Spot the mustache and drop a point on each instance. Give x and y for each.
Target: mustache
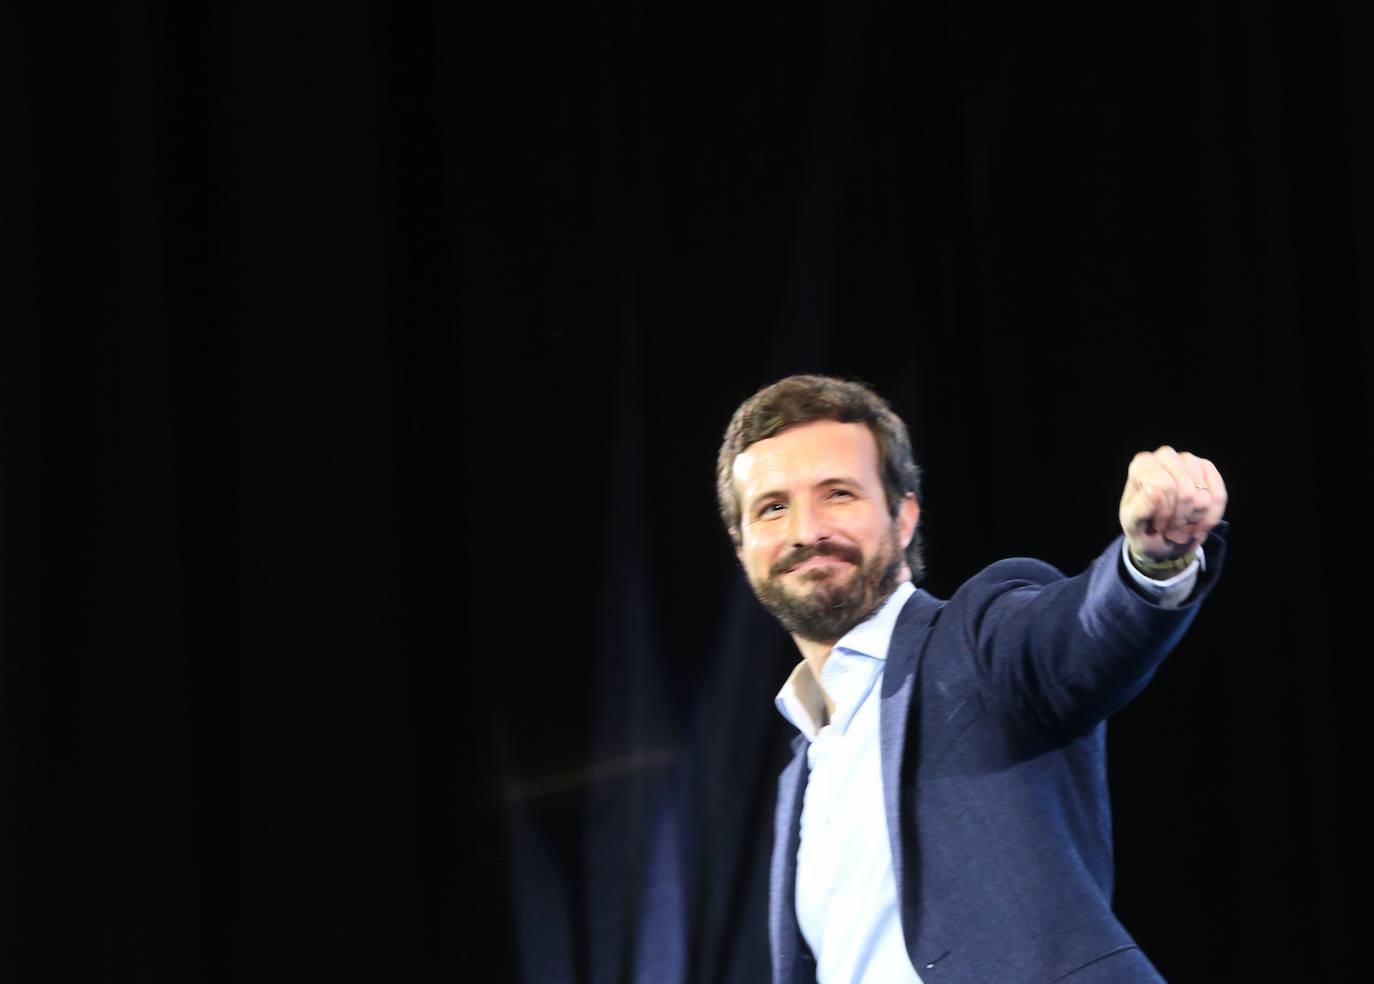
(823, 549)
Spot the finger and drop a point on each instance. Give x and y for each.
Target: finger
(1142, 492)
(1216, 486)
(1177, 526)
(1138, 506)
(1168, 472)
(1192, 466)
(1150, 494)
(1201, 490)
(1215, 482)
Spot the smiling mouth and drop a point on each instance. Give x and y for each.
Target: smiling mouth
(818, 559)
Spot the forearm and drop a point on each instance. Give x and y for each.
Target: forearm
(1061, 654)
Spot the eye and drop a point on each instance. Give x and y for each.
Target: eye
(770, 510)
(840, 494)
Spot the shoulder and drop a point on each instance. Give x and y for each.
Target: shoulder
(1010, 573)
(1022, 578)
(925, 612)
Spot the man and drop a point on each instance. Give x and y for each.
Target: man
(946, 816)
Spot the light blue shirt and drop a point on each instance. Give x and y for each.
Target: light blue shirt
(846, 897)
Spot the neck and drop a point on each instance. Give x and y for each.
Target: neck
(815, 654)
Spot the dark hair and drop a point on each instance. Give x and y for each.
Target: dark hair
(800, 400)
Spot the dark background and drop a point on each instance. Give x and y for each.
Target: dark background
(365, 612)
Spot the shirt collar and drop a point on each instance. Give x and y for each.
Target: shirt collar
(802, 701)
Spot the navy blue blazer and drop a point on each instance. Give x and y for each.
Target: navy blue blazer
(992, 720)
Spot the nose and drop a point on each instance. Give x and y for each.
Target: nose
(807, 524)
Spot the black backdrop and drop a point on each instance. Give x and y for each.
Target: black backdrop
(365, 614)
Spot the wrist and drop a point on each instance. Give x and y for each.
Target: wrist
(1161, 569)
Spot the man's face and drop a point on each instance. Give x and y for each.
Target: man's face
(819, 546)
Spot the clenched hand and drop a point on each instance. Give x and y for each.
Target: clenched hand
(1171, 501)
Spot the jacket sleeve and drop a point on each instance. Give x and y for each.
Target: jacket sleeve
(1060, 654)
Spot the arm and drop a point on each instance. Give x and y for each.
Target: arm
(1061, 654)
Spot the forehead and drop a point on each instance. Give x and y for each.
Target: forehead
(806, 454)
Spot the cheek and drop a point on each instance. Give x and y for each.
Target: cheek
(871, 537)
(757, 555)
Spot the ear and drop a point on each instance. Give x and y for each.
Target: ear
(908, 515)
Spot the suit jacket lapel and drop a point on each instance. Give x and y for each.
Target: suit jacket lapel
(784, 933)
(894, 713)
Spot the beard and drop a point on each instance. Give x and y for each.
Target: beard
(826, 604)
